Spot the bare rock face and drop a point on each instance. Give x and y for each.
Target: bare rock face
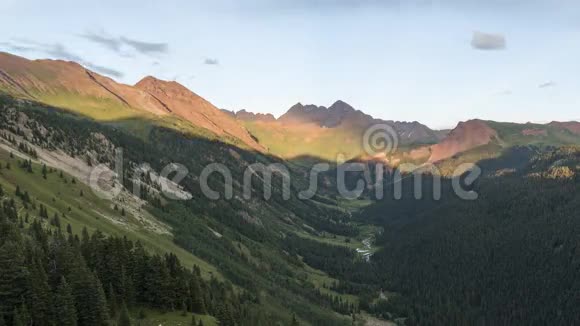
(534, 132)
(467, 135)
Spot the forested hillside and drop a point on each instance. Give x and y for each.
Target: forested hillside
(50, 276)
(237, 245)
(509, 257)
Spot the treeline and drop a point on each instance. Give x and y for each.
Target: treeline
(49, 277)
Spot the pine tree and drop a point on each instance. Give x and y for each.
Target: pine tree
(13, 274)
(112, 299)
(17, 319)
(193, 322)
(25, 315)
(124, 318)
(142, 315)
(44, 171)
(294, 320)
(64, 305)
(101, 303)
(90, 299)
(197, 303)
(224, 315)
(183, 309)
(39, 293)
(56, 221)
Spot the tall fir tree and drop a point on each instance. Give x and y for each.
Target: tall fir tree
(124, 317)
(294, 321)
(39, 295)
(197, 302)
(17, 319)
(64, 305)
(13, 273)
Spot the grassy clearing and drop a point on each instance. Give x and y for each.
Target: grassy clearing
(332, 239)
(176, 318)
(301, 142)
(323, 282)
(96, 108)
(354, 205)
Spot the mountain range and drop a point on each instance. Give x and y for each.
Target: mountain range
(304, 131)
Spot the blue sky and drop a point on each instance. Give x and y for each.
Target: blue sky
(437, 62)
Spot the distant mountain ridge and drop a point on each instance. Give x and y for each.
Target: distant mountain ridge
(331, 117)
(325, 132)
(470, 135)
(342, 114)
(309, 126)
(250, 116)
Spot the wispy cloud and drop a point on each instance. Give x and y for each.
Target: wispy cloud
(117, 44)
(146, 47)
(547, 84)
(58, 51)
(211, 61)
(16, 47)
(487, 41)
(100, 38)
(505, 92)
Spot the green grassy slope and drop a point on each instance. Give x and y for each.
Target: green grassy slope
(303, 141)
(61, 196)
